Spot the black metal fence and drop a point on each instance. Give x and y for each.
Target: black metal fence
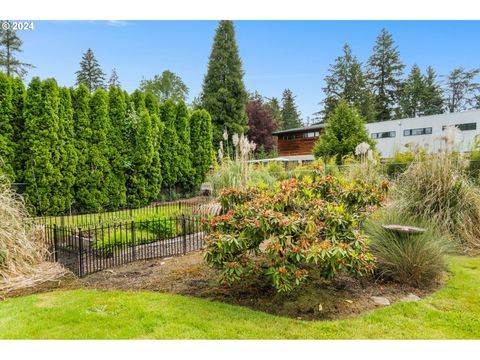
(85, 250)
(132, 213)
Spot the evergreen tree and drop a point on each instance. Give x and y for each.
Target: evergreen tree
(169, 159)
(346, 80)
(90, 73)
(201, 135)
(100, 177)
(344, 130)
(260, 124)
(413, 94)
(114, 80)
(167, 86)
(432, 102)
(184, 155)
(290, 114)
(224, 95)
(10, 44)
(42, 173)
(117, 112)
(83, 137)
(66, 147)
(142, 157)
(155, 182)
(385, 71)
(18, 124)
(276, 111)
(6, 127)
(461, 88)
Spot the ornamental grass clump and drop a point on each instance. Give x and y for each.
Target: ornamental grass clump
(438, 189)
(21, 243)
(296, 227)
(417, 259)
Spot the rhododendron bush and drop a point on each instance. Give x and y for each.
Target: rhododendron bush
(308, 225)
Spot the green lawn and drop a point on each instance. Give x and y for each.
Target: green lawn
(451, 313)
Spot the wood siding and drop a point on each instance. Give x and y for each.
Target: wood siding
(297, 146)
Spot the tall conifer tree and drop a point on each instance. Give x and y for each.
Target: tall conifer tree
(182, 127)
(385, 71)
(90, 73)
(224, 95)
(290, 114)
(6, 127)
(201, 135)
(10, 44)
(18, 124)
(169, 142)
(432, 97)
(118, 149)
(155, 182)
(42, 173)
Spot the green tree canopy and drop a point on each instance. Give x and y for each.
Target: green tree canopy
(184, 155)
(169, 142)
(223, 94)
(6, 126)
(346, 80)
(344, 130)
(167, 86)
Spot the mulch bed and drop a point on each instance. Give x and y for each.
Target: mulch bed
(342, 297)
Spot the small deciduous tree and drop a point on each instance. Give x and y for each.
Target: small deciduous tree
(344, 130)
(167, 86)
(261, 124)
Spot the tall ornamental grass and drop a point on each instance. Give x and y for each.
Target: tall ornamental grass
(416, 260)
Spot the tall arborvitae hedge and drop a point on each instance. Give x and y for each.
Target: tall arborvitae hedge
(201, 135)
(169, 143)
(85, 152)
(42, 170)
(18, 124)
(155, 183)
(83, 136)
(182, 127)
(6, 129)
(67, 150)
(117, 110)
(100, 177)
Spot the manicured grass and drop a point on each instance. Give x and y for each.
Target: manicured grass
(451, 313)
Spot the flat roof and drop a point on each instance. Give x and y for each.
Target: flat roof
(454, 115)
(306, 128)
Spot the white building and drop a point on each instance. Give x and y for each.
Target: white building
(392, 136)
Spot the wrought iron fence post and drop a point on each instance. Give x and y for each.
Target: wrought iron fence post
(184, 231)
(55, 241)
(80, 252)
(133, 241)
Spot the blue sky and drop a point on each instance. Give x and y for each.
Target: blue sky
(275, 54)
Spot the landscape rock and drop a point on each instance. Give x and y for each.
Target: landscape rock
(380, 300)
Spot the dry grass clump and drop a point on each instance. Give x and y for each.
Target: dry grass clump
(22, 244)
(438, 189)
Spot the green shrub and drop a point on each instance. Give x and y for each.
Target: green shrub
(409, 259)
(314, 221)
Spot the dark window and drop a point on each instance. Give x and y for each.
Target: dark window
(385, 134)
(288, 137)
(419, 131)
(463, 127)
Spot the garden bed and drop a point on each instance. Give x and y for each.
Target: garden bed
(343, 297)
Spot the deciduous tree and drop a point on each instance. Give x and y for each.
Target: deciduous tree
(261, 124)
(167, 86)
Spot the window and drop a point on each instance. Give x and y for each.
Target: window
(385, 134)
(313, 134)
(463, 127)
(419, 131)
(288, 137)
